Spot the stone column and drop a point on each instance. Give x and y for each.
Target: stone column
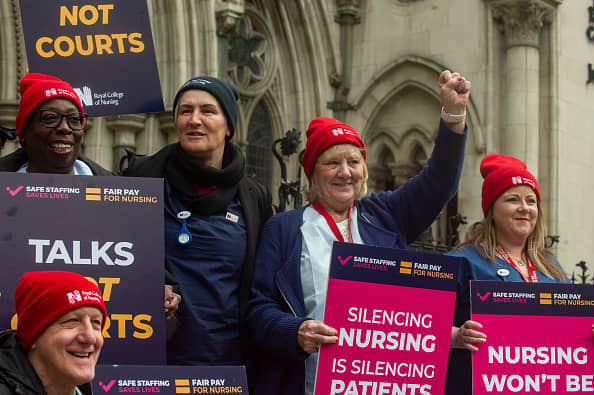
(124, 129)
(521, 22)
(347, 16)
(8, 112)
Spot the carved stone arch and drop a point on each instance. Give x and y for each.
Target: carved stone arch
(405, 115)
(392, 162)
(380, 141)
(409, 72)
(402, 101)
(416, 141)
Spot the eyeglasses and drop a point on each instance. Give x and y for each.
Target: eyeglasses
(52, 118)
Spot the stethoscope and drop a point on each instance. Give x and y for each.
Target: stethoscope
(184, 237)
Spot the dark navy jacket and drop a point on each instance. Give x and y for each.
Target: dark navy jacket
(391, 219)
(255, 202)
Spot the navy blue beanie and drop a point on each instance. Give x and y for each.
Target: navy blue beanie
(223, 91)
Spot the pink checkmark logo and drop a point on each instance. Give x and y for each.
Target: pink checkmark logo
(483, 297)
(15, 191)
(345, 260)
(107, 387)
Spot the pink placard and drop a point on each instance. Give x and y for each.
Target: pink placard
(393, 339)
(531, 354)
(539, 338)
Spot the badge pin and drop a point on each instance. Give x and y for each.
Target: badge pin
(184, 237)
(503, 272)
(232, 217)
(184, 214)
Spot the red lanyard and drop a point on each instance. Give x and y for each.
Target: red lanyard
(331, 223)
(531, 270)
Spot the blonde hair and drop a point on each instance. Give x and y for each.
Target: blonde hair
(311, 192)
(482, 236)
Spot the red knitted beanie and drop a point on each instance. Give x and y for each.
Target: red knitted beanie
(323, 133)
(501, 172)
(35, 89)
(43, 297)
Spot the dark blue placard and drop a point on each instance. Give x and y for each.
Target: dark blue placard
(124, 81)
(379, 265)
(51, 222)
(535, 299)
(170, 379)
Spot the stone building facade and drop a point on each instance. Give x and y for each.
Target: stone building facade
(375, 65)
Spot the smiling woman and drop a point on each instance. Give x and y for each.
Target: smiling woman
(339, 178)
(58, 339)
(51, 142)
(288, 294)
(508, 245)
(49, 125)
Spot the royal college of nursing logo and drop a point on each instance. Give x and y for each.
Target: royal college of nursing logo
(339, 131)
(90, 98)
(74, 296)
(519, 180)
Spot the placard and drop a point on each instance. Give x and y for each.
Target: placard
(104, 49)
(539, 338)
(109, 229)
(393, 310)
(110, 379)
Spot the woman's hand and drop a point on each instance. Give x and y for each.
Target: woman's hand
(454, 92)
(466, 335)
(172, 300)
(312, 334)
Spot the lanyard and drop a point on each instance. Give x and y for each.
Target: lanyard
(531, 270)
(331, 223)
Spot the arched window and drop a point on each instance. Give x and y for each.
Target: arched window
(259, 140)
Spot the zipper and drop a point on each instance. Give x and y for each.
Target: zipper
(365, 218)
(285, 298)
(294, 314)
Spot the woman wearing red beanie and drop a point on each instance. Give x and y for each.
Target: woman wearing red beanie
(49, 125)
(291, 276)
(508, 245)
(58, 339)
